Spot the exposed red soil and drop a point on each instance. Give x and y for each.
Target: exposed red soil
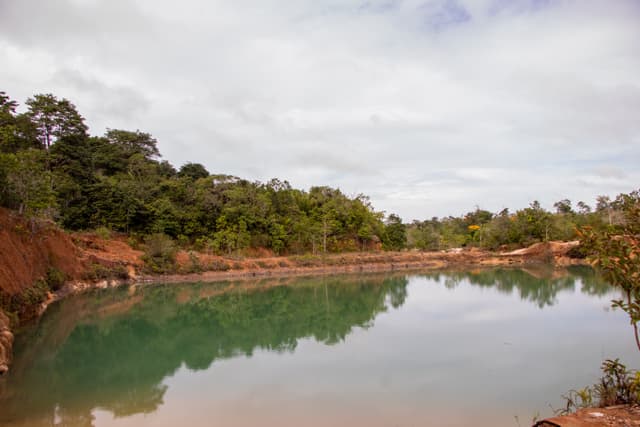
(29, 248)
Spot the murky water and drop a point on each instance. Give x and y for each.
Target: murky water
(492, 348)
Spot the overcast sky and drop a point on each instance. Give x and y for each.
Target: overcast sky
(429, 107)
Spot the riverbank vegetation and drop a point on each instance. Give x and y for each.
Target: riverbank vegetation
(51, 167)
(615, 253)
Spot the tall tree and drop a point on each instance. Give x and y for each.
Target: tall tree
(395, 236)
(55, 118)
(193, 171)
(134, 142)
(17, 131)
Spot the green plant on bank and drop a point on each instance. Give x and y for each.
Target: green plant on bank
(160, 253)
(218, 265)
(103, 272)
(194, 263)
(615, 253)
(25, 304)
(103, 232)
(618, 385)
(55, 278)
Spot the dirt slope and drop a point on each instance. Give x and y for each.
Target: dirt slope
(29, 248)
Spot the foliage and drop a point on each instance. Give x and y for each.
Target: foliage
(395, 234)
(50, 166)
(617, 386)
(54, 118)
(24, 305)
(103, 232)
(160, 253)
(615, 252)
(28, 182)
(55, 278)
(102, 272)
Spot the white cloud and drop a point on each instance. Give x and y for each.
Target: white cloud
(430, 107)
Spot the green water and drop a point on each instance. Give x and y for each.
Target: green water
(449, 349)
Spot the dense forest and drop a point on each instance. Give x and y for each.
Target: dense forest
(50, 166)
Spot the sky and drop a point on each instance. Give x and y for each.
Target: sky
(431, 108)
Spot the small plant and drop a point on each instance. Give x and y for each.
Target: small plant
(55, 278)
(307, 260)
(160, 253)
(103, 232)
(617, 386)
(24, 305)
(218, 265)
(102, 272)
(194, 263)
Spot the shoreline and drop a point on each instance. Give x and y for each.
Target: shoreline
(550, 255)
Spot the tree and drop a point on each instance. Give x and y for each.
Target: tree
(583, 208)
(615, 252)
(29, 180)
(134, 142)
(54, 118)
(193, 170)
(395, 235)
(563, 206)
(17, 132)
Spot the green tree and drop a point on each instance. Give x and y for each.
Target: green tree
(615, 252)
(28, 178)
(395, 234)
(54, 118)
(193, 170)
(17, 132)
(134, 142)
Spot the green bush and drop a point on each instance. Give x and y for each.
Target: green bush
(160, 253)
(102, 272)
(618, 386)
(55, 278)
(103, 233)
(218, 265)
(25, 305)
(194, 263)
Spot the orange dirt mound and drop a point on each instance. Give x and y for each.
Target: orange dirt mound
(28, 248)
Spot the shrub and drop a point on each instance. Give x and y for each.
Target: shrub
(25, 305)
(55, 278)
(103, 272)
(218, 265)
(160, 253)
(617, 386)
(194, 263)
(103, 232)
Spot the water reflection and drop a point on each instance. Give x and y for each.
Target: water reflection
(114, 349)
(538, 285)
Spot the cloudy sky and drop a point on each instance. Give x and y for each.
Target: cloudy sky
(429, 107)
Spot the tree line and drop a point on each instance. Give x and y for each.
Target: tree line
(505, 229)
(50, 166)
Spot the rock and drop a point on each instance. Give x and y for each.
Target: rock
(6, 343)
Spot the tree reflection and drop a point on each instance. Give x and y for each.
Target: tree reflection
(113, 349)
(540, 286)
(118, 361)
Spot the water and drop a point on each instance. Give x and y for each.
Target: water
(492, 348)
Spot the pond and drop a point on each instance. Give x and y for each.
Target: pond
(482, 348)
